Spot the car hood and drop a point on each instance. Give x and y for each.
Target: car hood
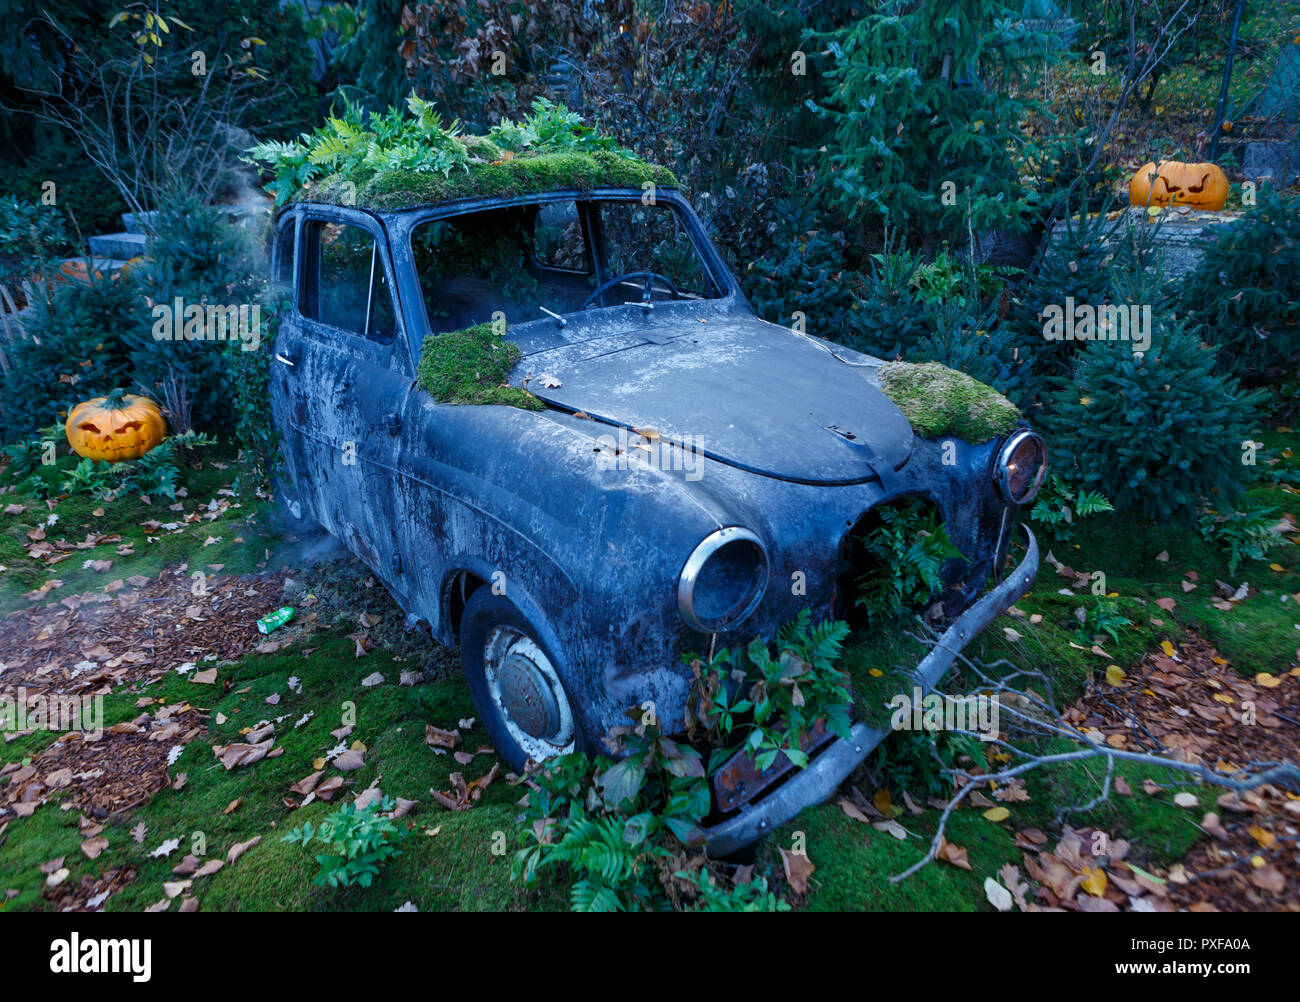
(744, 392)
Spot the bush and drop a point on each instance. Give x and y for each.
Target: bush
(203, 257)
(1152, 432)
(31, 236)
(938, 311)
(1077, 267)
(1246, 291)
(1248, 533)
(358, 842)
(804, 271)
(887, 319)
(75, 348)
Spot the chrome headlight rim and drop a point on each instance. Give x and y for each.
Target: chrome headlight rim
(694, 567)
(1002, 468)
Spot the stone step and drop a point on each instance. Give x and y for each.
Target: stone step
(140, 222)
(118, 245)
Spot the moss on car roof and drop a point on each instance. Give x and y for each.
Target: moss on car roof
(519, 175)
(402, 158)
(938, 402)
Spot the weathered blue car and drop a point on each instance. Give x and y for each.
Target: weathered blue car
(681, 476)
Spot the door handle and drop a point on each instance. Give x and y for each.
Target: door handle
(282, 358)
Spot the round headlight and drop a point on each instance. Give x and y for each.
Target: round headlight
(723, 580)
(1021, 466)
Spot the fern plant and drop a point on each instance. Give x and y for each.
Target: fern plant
(1248, 533)
(1058, 505)
(766, 704)
(907, 548)
(1103, 617)
(752, 896)
(359, 144)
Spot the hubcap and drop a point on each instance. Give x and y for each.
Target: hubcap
(526, 688)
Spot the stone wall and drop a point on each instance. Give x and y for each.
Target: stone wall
(1180, 234)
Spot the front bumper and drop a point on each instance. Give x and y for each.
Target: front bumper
(829, 768)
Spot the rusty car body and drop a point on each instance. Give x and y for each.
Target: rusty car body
(691, 481)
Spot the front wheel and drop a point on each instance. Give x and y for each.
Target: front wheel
(514, 684)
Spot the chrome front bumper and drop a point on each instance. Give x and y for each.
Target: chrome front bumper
(825, 772)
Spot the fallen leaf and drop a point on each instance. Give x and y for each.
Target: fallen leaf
(953, 854)
(798, 868)
(999, 897)
(239, 848)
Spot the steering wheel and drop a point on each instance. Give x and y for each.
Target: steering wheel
(650, 278)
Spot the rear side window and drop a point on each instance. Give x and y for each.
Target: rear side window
(283, 273)
(345, 285)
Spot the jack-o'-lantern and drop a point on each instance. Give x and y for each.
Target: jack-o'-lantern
(116, 427)
(1197, 186)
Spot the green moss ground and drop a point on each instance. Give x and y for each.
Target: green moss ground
(455, 869)
(243, 532)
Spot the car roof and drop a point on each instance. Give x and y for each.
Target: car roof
(489, 182)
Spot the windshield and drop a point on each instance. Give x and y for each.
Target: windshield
(562, 256)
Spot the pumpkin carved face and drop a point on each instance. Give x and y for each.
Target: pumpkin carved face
(1198, 186)
(116, 427)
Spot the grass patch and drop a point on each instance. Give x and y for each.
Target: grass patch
(466, 865)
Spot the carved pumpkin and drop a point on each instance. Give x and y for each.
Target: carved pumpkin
(1198, 186)
(116, 427)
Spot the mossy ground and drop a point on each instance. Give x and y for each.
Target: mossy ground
(459, 869)
(241, 532)
(938, 401)
(470, 366)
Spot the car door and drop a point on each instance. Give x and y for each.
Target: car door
(351, 372)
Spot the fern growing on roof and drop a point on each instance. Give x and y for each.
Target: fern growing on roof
(357, 146)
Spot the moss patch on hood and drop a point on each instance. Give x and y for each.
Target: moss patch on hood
(470, 366)
(939, 402)
(520, 175)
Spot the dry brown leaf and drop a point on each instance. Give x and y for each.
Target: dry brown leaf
(798, 868)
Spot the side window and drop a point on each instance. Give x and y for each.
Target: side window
(345, 285)
(283, 265)
(558, 241)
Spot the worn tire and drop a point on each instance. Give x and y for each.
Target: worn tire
(488, 621)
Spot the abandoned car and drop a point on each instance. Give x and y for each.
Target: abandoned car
(657, 471)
